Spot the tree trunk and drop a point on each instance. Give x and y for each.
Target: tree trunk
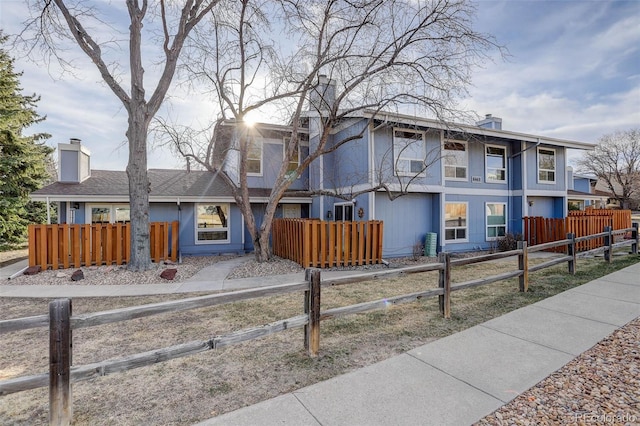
(261, 246)
(139, 187)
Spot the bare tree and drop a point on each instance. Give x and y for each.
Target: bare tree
(85, 24)
(282, 58)
(616, 162)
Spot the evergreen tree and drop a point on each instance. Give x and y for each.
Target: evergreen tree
(23, 158)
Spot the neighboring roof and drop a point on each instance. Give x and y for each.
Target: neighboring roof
(573, 194)
(166, 185)
(466, 128)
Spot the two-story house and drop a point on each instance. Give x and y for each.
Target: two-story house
(477, 183)
(468, 184)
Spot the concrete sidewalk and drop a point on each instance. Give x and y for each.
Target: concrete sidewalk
(459, 379)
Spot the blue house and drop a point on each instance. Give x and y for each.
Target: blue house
(582, 193)
(467, 184)
(202, 202)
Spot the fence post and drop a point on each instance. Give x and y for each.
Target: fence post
(523, 265)
(60, 354)
(312, 309)
(571, 251)
(444, 282)
(635, 237)
(608, 241)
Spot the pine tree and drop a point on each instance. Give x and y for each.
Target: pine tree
(23, 158)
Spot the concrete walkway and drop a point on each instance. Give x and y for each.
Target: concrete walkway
(459, 379)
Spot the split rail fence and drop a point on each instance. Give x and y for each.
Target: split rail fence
(540, 230)
(62, 322)
(324, 244)
(72, 246)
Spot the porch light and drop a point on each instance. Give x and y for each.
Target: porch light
(329, 215)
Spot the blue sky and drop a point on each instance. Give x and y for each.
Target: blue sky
(573, 73)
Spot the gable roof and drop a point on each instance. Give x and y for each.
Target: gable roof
(167, 185)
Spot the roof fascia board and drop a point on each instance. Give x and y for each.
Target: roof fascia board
(158, 199)
(465, 128)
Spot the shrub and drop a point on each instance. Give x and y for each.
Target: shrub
(508, 242)
(418, 249)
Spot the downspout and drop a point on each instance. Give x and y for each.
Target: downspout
(179, 225)
(48, 212)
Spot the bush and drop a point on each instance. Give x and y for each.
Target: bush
(508, 242)
(418, 249)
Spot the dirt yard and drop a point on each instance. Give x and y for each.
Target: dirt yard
(192, 389)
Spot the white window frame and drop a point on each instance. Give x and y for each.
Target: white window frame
(88, 216)
(260, 144)
(486, 164)
(486, 221)
(285, 142)
(466, 227)
(539, 169)
(343, 206)
(457, 166)
(397, 153)
(227, 228)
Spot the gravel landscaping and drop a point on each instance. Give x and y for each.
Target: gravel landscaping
(599, 387)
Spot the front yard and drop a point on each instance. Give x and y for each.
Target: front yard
(195, 388)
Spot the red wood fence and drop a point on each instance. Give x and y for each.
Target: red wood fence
(540, 230)
(316, 243)
(64, 246)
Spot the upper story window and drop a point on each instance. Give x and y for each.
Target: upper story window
(546, 165)
(409, 152)
(496, 163)
(109, 213)
(455, 222)
(212, 223)
(295, 158)
(456, 160)
(254, 157)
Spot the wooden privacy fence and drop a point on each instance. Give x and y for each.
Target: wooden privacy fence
(62, 373)
(540, 230)
(65, 246)
(322, 244)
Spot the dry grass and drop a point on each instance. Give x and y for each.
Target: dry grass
(192, 389)
(8, 255)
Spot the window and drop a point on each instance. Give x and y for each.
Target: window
(496, 220)
(496, 163)
(455, 222)
(254, 157)
(109, 213)
(409, 152)
(295, 159)
(546, 165)
(343, 211)
(455, 160)
(212, 223)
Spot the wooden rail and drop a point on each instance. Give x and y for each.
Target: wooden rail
(72, 246)
(540, 230)
(317, 243)
(61, 321)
